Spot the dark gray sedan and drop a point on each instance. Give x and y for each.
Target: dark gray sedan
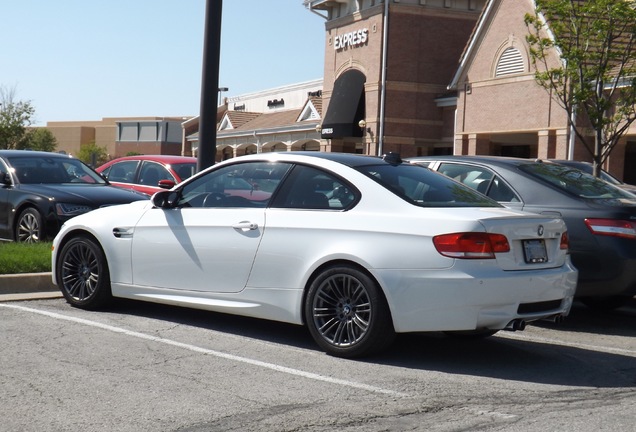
(601, 218)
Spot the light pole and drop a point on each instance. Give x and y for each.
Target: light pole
(209, 84)
(221, 90)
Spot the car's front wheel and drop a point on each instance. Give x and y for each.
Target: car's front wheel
(29, 228)
(82, 274)
(347, 314)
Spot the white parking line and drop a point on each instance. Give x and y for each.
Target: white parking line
(206, 351)
(598, 348)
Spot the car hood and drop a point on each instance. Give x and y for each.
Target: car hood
(95, 195)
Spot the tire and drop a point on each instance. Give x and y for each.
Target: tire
(29, 227)
(605, 304)
(347, 314)
(82, 274)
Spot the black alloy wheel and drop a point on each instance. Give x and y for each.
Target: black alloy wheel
(347, 314)
(82, 274)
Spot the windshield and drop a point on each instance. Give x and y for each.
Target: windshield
(575, 182)
(425, 188)
(185, 170)
(53, 170)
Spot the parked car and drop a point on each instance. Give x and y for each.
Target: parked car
(588, 168)
(355, 247)
(601, 218)
(39, 191)
(148, 173)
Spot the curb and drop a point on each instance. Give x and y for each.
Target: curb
(27, 286)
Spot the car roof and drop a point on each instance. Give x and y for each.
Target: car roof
(347, 159)
(34, 153)
(158, 158)
(573, 162)
(492, 160)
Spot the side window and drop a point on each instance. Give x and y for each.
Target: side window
(151, 173)
(123, 172)
(500, 191)
(473, 177)
(313, 189)
(249, 184)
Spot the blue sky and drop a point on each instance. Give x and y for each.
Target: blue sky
(88, 59)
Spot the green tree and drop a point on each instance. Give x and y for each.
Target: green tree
(93, 154)
(584, 55)
(38, 139)
(15, 117)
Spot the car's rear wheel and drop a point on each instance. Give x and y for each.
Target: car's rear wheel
(29, 227)
(347, 314)
(82, 274)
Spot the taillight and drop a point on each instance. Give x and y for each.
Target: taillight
(471, 245)
(612, 227)
(565, 241)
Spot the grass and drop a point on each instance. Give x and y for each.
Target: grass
(25, 258)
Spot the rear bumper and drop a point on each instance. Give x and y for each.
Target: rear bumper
(475, 298)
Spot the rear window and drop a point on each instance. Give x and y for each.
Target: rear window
(425, 188)
(575, 182)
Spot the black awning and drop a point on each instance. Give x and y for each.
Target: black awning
(346, 107)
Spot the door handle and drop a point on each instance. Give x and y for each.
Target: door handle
(245, 226)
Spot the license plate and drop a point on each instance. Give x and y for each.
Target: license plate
(534, 251)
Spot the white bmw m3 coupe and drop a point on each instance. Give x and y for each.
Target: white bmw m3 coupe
(357, 248)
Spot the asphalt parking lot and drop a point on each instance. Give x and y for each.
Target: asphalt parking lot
(141, 366)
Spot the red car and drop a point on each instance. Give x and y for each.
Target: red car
(148, 173)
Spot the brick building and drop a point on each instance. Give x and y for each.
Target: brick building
(392, 61)
(418, 77)
(120, 136)
(501, 110)
(442, 77)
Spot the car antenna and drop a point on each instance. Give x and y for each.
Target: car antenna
(392, 158)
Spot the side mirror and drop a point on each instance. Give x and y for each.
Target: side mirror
(166, 184)
(165, 199)
(5, 179)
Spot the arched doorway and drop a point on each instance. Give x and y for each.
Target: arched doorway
(346, 107)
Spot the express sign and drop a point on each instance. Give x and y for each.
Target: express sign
(351, 39)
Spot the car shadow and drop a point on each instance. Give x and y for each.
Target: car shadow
(270, 331)
(618, 322)
(495, 357)
(513, 360)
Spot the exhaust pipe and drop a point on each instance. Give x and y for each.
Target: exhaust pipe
(516, 325)
(557, 319)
